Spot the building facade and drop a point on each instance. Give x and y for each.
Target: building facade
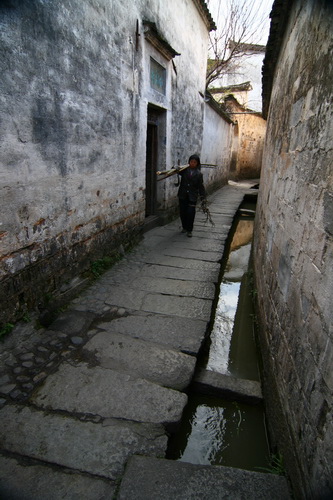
(96, 97)
(248, 140)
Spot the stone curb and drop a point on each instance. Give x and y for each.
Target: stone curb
(225, 386)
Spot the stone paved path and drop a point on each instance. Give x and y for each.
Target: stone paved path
(104, 385)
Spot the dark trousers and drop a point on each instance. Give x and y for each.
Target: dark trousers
(187, 214)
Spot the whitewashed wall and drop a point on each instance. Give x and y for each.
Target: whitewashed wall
(216, 147)
(73, 121)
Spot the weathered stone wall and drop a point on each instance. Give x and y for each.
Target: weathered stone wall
(252, 129)
(73, 121)
(294, 251)
(250, 138)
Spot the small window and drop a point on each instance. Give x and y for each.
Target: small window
(157, 76)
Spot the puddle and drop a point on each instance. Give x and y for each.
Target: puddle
(218, 432)
(221, 432)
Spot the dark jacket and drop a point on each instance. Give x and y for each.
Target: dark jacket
(191, 185)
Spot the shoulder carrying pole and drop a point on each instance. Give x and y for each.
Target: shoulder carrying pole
(179, 168)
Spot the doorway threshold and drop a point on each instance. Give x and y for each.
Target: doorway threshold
(152, 221)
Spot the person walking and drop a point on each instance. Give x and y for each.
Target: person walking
(191, 186)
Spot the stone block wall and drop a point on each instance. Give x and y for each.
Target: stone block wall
(293, 251)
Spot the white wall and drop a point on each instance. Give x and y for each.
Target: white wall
(216, 147)
(248, 69)
(73, 121)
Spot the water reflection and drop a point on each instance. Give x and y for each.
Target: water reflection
(216, 432)
(221, 335)
(232, 350)
(206, 436)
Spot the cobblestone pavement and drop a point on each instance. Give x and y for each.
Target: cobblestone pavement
(106, 381)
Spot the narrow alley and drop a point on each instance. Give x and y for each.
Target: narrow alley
(88, 403)
(98, 363)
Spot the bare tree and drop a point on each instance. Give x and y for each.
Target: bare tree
(239, 33)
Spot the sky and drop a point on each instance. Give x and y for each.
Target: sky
(261, 8)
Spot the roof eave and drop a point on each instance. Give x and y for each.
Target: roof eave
(205, 14)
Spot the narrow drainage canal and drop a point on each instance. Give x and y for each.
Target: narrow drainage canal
(215, 431)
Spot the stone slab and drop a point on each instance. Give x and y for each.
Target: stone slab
(219, 234)
(33, 481)
(210, 276)
(191, 253)
(217, 384)
(184, 243)
(176, 287)
(122, 296)
(160, 479)
(182, 262)
(177, 240)
(137, 296)
(142, 359)
(185, 307)
(83, 446)
(203, 243)
(109, 394)
(183, 334)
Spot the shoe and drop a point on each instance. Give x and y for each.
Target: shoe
(183, 231)
(189, 234)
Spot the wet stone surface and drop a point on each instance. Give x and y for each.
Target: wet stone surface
(78, 397)
(38, 353)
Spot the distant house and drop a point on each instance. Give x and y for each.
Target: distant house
(243, 79)
(239, 93)
(96, 97)
(249, 139)
(248, 131)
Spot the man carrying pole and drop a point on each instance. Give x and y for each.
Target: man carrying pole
(191, 186)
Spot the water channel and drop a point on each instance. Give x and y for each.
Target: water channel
(224, 432)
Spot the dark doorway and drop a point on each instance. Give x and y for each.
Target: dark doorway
(151, 167)
(155, 158)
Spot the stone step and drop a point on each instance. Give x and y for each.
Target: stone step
(106, 393)
(142, 359)
(225, 386)
(36, 481)
(149, 478)
(101, 449)
(183, 334)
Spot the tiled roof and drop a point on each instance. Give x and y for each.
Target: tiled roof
(204, 11)
(247, 47)
(239, 87)
(155, 38)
